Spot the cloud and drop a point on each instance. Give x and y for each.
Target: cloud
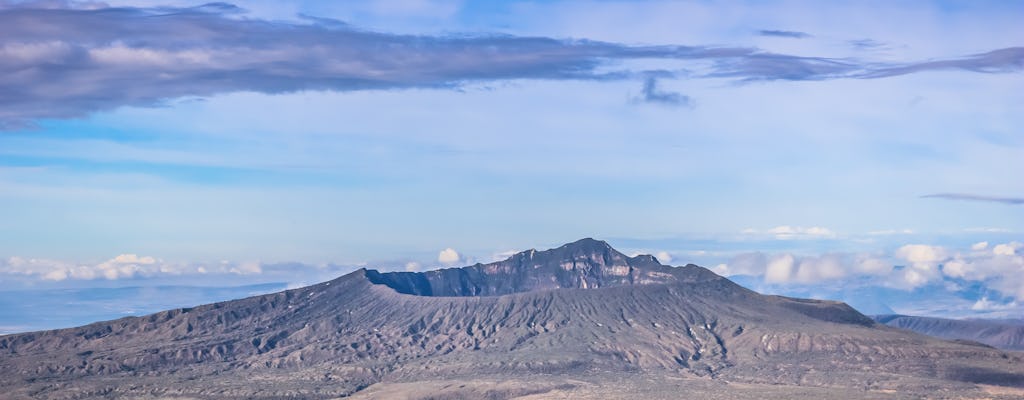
(64, 62)
(788, 268)
(1007, 249)
(651, 94)
(412, 266)
(1000, 267)
(889, 232)
(921, 254)
(867, 44)
(984, 304)
(979, 246)
(663, 257)
(247, 268)
(996, 61)
(923, 265)
(124, 266)
(974, 197)
(786, 232)
(743, 264)
(448, 256)
(779, 269)
(783, 34)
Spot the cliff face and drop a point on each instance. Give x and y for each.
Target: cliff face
(584, 264)
(580, 310)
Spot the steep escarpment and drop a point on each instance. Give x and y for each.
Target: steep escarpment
(584, 264)
(580, 310)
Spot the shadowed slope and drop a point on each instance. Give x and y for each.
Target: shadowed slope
(991, 332)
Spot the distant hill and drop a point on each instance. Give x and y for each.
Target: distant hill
(1003, 334)
(579, 321)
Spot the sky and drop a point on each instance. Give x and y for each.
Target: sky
(863, 151)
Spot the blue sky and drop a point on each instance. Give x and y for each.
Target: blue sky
(839, 149)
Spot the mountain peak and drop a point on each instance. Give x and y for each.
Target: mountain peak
(584, 264)
(588, 244)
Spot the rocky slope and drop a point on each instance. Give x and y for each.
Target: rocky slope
(580, 320)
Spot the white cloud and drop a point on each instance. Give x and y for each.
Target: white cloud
(779, 269)
(663, 257)
(1002, 269)
(920, 253)
(1007, 249)
(923, 265)
(913, 278)
(247, 268)
(979, 246)
(448, 256)
(123, 266)
(872, 265)
(956, 268)
(133, 259)
(984, 304)
(816, 269)
(412, 266)
(743, 264)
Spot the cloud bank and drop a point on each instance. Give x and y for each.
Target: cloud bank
(911, 266)
(124, 266)
(64, 62)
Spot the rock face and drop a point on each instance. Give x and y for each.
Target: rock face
(1003, 335)
(579, 320)
(584, 264)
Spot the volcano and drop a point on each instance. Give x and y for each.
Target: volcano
(579, 321)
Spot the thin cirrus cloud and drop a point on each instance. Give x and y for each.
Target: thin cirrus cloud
(783, 34)
(69, 62)
(975, 197)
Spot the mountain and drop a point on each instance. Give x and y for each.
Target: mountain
(1005, 335)
(579, 321)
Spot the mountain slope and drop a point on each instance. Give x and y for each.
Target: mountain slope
(994, 333)
(581, 311)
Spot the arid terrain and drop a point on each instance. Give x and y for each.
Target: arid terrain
(579, 321)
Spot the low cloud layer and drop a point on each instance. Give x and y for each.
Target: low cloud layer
(68, 62)
(999, 267)
(124, 266)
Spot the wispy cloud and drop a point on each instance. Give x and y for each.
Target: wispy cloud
(783, 34)
(996, 61)
(69, 62)
(786, 232)
(974, 197)
(652, 94)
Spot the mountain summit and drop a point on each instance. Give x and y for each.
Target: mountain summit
(584, 264)
(581, 320)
